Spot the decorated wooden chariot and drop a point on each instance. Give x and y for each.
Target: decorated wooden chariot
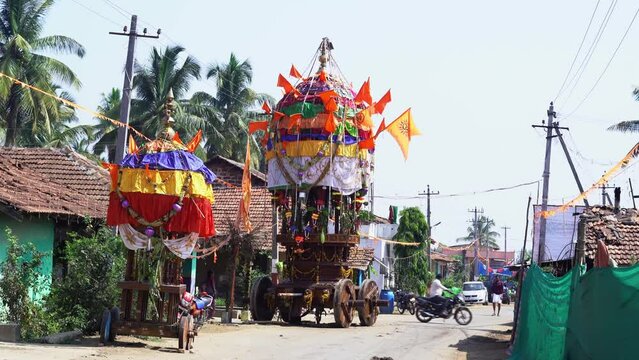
(319, 149)
(160, 203)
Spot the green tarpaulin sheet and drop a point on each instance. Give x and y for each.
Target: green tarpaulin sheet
(590, 316)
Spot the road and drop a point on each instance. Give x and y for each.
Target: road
(393, 336)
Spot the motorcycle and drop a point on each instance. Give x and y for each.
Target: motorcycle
(197, 306)
(405, 301)
(455, 307)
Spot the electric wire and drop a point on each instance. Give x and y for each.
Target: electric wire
(583, 39)
(472, 193)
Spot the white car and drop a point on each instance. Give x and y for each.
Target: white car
(475, 292)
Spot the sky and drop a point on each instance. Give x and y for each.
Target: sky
(477, 75)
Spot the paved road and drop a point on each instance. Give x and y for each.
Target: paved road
(396, 336)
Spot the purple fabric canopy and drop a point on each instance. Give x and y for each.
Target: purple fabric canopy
(171, 160)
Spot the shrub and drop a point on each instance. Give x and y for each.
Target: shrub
(20, 279)
(95, 264)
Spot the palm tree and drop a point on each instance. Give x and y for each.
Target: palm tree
(234, 99)
(21, 47)
(487, 236)
(105, 131)
(152, 83)
(628, 125)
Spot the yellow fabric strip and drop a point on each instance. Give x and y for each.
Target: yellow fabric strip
(165, 182)
(312, 147)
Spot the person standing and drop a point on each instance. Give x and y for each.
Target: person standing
(498, 291)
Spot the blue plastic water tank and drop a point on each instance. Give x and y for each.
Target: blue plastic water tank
(390, 296)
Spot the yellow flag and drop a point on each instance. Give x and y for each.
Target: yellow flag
(402, 129)
(245, 201)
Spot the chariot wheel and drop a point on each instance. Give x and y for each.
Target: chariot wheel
(191, 333)
(105, 327)
(369, 293)
(260, 308)
(343, 299)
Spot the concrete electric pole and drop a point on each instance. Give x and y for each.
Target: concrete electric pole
(125, 103)
(506, 228)
(476, 242)
(428, 193)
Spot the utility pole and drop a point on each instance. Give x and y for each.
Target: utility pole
(506, 228)
(125, 103)
(572, 166)
(475, 242)
(632, 194)
(428, 193)
(604, 194)
(546, 179)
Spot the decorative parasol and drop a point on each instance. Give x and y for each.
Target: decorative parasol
(162, 189)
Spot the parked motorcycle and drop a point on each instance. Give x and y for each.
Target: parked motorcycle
(405, 301)
(196, 308)
(426, 309)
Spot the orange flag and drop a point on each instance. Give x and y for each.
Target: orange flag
(133, 147)
(245, 201)
(364, 93)
(266, 108)
(294, 120)
(195, 142)
(258, 125)
(177, 139)
(278, 115)
(367, 144)
(284, 84)
(381, 104)
(327, 95)
(113, 171)
(294, 73)
(402, 129)
(364, 117)
(322, 76)
(329, 126)
(382, 127)
(330, 105)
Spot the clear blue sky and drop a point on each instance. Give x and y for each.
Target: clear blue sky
(477, 74)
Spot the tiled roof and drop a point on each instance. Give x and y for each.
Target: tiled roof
(231, 171)
(441, 257)
(360, 258)
(620, 233)
(52, 181)
(226, 204)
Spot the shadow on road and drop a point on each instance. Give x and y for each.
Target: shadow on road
(479, 347)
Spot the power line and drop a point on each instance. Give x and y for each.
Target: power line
(607, 65)
(578, 50)
(584, 63)
(459, 194)
(96, 13)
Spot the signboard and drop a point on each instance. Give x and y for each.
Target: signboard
(561, 234)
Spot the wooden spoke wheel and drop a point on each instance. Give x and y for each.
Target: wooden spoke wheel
(105, 327)
(260, 308)
(183, 333)
(115, 317)
(369, 293)
(343, 299)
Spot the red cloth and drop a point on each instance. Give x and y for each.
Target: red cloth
(602, 258)
(196, 214)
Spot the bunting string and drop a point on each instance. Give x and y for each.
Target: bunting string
(76, 106)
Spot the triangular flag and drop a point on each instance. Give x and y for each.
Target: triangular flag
(133, 147)
(284, 84)
(278, 115)
(326, 96)
(381, 104)
(329, 126)
(113, 171)
(367, 144)
(322, 76)
(364, 93)
(331, 105)
(264, 140)
(294, 73)
(364, 117)
(402, 129)
(294, 120)
(195, 142)
(382, 127)
(266, 108)
(245, 201)
(177, 139)
(257, 125)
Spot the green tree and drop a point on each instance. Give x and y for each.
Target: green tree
(234, 100)
(105, 132)
(628, 125)
(21, 56)
(487, 236)
(411, 262)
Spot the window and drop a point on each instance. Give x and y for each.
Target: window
(473, 287)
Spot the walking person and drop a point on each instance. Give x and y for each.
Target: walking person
(498, 291)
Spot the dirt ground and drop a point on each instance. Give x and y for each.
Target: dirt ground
(393, 337)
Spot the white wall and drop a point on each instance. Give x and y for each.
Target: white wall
(369, 238)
